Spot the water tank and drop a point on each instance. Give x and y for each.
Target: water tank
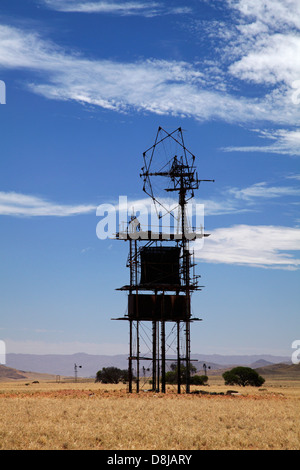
(160, 266)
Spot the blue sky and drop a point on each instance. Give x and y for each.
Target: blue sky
(88, 83)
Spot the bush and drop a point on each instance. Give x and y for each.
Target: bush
(111, 375)
(199, 379)
(243, 376)
(172, 375)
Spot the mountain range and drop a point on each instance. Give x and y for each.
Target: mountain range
(87, 365)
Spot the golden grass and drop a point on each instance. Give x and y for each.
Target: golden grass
(96, 416)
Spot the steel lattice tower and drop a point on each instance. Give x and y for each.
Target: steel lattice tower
(161, 265)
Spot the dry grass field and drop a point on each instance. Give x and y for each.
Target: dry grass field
(90, 416)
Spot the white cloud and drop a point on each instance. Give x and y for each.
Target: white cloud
(231, 200)
(262, 246)
(262, 190)
(22, 205)
(285, 142)
(18, 204)
(140, 8)
(261, 47)
(226, 204)
(258, 246)
(265, 42)
(274, 13)
(158, 86)
(271, 61)
(293, 176)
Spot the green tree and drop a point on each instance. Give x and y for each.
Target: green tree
(198, 379)
(243, 376)
(111, 375)
(172, 375)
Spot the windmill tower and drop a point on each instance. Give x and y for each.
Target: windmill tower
(162, 275)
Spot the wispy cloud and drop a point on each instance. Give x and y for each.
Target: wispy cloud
(260, 246)
(231, 200)
(259, 42)
(262, 190)
(147, 9)
(283, 141)
(293, 176)
(265, 40)
(159, 86)
(257, 46)
(253, 245)
(274, 13)
(228, 201)
(22, 205)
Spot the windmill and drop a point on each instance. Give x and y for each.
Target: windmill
(161, 282)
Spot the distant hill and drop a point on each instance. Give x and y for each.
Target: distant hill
(8, 374)
(260, 363)
(64, 364)
(241, 360)
(267, 369)
(280, 370)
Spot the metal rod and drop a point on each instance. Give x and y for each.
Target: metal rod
(154, 355)
(158, 364)
(178, 358)
(137, 357)
(163, 358)
(130, 323)
(187, 338)
(187, 330)
(137, 323)
(130, 358)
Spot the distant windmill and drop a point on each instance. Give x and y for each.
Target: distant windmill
(75, 371)
(205, 367)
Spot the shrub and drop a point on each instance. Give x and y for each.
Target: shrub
(243, 376)
(198, 379)
(172, 375)
(111, 375)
